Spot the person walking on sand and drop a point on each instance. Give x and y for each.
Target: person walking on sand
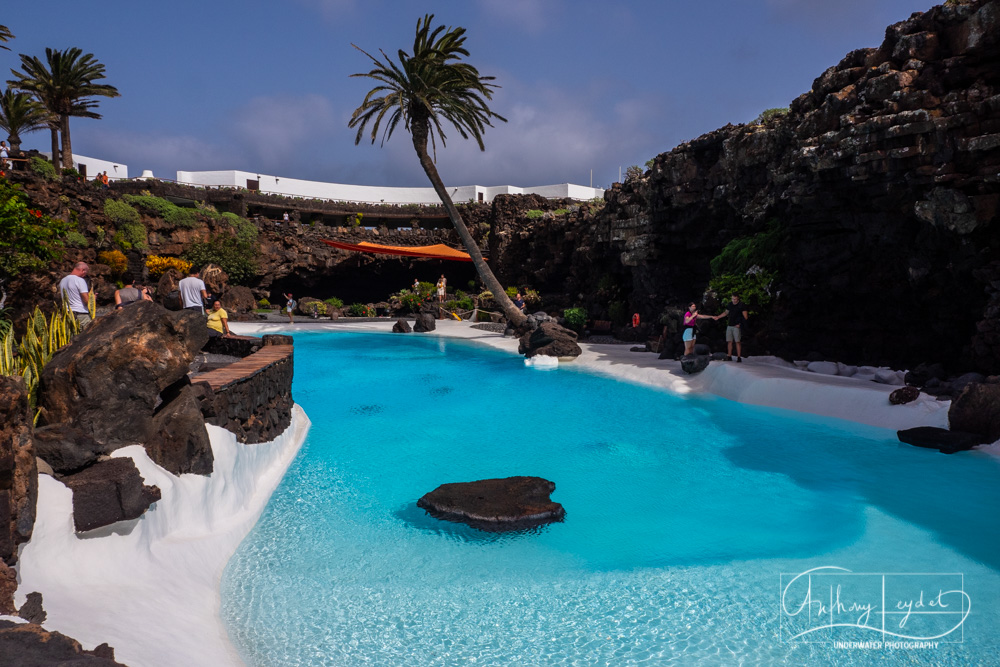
(737, 312)
(193, 292)
(289, 306)
(442, 287)
(691, 318)
(76, 294)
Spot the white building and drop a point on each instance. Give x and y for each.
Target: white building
(91, 167)
(293, 187)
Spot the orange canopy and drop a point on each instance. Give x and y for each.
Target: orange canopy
(438, 251)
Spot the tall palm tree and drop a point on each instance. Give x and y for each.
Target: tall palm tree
(64, 86)
(20, 113)
(5, 36)
(429, 87)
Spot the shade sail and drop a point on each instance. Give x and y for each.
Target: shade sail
(439, 251)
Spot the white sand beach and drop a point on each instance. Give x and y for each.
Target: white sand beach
(151, 589)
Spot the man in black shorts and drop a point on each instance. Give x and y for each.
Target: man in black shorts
(737, 312)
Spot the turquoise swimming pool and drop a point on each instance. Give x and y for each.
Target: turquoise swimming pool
(687, 517)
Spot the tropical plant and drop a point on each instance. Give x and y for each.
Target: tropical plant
(71, 172)
(19, 113)
(633, 173)
(410, 301)
(531, 298)
(426, 89)
(42, 338)
(115, 260)
(65, 85)
(5, 36)
(28, 237)
(575, 318)
(334, 302)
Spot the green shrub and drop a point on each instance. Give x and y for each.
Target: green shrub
(334, 302)
(511, 292)
(633, 173)
(119, 212)
(769, 114)
(133, 234)
(42, 167)
(531, 298)
(75, 239)
(71, 172)
(115, 260)
(410, 301)
(360, 310)
(749, 266)
(245, 230)
(560, 211)
(534, 214)
(235, 257)
(318, 307)
(170, 212)
(575, 318)
(463, 304)
(426, 289)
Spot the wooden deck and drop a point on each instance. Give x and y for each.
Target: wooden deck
(245, 368)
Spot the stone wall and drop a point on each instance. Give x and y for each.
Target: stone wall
(253, 398)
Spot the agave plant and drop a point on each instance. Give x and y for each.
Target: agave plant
(43, 337)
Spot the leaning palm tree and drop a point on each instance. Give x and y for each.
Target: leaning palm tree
(64, 85)
(20, 113)
(430, 87)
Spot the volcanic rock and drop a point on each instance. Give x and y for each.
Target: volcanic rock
(66, 449)
(238, 300)
(8, 584)
(694, 363)
(424, 323)
(107, 380)
(31, 645)
(32, 610)
(977, 410)
(947, 442)
(108, 492)
(178, 440)
(401, 326)
(904, 395)
(495, 505)
(18, 470)
(550, 339)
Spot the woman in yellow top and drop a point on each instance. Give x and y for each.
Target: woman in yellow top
(218, 321)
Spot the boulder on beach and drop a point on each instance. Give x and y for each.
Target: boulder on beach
(550, 339)
(424, 322)
(694, 363)
(401, 326)
(31, 644)
(495, 505)
(941, 439)
(977, 410)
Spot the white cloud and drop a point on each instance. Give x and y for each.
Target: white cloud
(274, 129)
(530, 16)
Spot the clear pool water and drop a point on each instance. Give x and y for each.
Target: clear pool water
(682, 515)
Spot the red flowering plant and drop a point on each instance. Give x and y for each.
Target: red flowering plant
(28, 237)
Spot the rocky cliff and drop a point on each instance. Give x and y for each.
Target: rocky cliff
(884, 179)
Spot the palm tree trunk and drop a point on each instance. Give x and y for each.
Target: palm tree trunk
(55, 147)
(513, 314)
(67, 147)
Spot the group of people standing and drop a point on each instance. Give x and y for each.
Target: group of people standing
(737, 313)
(193, 294)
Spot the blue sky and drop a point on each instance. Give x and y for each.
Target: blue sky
(586, 85)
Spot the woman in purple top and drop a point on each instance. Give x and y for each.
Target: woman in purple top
(691, 318)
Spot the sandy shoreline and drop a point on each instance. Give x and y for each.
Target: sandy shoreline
(151, 588)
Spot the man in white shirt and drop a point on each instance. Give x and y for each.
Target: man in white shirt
(76, 294)
(193, 292)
